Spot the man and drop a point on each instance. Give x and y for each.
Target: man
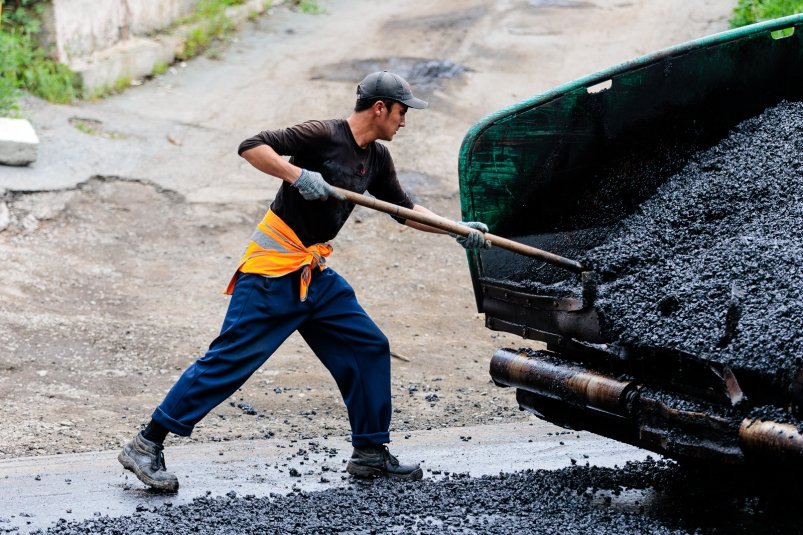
(282, 284)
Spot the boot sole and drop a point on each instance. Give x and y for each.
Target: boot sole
(131, 466)
(369, 471)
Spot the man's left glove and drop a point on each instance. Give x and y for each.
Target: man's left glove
(313, 187)
(476, 239)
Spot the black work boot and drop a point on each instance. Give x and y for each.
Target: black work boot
(375, 461)
(146, 459)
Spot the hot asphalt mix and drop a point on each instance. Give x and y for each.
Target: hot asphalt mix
(709, 264)
(640, 497)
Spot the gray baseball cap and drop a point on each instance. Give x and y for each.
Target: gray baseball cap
(385, 84)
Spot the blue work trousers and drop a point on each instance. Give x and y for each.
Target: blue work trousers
(262, 313)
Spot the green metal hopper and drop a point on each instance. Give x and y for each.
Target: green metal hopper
(557, 171)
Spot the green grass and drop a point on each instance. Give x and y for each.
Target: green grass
(309, 6)
(119, 85)
(751, 11)
(9, 95)
(160, 68)
(207, 23)
(24, 66)
(208, 9)
(93, 127)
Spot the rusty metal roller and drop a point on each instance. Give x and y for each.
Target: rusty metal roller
(538, 372)
(771, 438)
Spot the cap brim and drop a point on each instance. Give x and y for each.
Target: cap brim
(416, 103)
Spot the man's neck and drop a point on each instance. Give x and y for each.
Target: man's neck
(361, 129)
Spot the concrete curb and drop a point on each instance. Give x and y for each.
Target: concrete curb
(138, 57)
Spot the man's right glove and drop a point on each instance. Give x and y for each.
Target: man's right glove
(476, 239)
(313, 187)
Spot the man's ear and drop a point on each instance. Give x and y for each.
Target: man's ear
(378, 107)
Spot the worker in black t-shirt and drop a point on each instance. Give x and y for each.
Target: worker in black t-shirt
(282, 284)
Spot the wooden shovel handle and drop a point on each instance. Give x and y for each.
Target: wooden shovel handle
(455, 228)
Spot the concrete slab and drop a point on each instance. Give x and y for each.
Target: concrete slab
(19, 144)
(36, 492)
(128, 60)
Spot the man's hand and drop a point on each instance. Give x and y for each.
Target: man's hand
(476, 239)
(313, 187)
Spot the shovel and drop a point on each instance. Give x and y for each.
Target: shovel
(448, 225)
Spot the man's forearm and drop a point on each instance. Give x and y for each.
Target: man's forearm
(267, 160)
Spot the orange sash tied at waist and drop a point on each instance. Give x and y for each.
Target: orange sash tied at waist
(275, 250)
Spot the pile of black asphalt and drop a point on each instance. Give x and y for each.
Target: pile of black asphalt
(710, 264)
(647, 497)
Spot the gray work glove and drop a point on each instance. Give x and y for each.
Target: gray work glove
(475, 240)
(313, 187)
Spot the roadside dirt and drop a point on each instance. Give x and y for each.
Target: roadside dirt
(110, 289)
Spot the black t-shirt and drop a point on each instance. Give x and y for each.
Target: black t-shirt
(329, 148)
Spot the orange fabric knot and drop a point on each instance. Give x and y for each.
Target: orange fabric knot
(275, 250)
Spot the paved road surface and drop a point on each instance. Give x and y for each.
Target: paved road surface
(36, 492)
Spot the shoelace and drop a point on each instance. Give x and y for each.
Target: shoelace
(393, 460)
(159, 459)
